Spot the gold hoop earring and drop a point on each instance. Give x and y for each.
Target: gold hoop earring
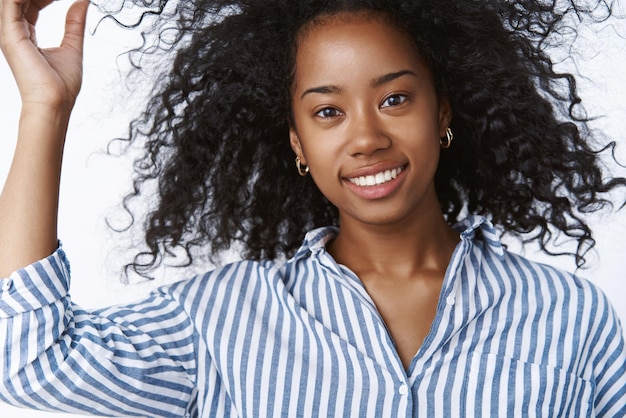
(302, 170)
(446, 141)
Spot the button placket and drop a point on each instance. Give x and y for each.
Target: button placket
(403, 389)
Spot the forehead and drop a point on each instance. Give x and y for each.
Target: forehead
(348, 45)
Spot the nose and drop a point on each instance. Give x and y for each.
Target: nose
(366, 133)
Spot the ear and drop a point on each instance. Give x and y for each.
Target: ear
(296, 146)
(445, 115)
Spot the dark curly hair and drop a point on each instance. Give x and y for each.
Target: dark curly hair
(216, 128)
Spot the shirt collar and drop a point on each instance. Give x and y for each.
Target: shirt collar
(478, 227)
(316, 240)
(471, 228)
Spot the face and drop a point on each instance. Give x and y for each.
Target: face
(367, 120)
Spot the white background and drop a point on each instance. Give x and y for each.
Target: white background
(94, 183)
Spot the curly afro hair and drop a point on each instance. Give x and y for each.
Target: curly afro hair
(216, 128)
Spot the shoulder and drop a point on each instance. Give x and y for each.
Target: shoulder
(537, 286)
(247, 285)
(515, 274)
(233, 277)
(555, 283)
(245, 273)
(572, 310)
(556, 309)
(541, 314)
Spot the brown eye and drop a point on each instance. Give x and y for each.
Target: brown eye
(328, 112)
(395, 100)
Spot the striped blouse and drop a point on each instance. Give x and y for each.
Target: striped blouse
(511, 338)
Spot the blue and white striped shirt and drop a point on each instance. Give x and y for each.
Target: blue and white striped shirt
(511, 338)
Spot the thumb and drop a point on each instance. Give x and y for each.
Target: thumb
(75, 25)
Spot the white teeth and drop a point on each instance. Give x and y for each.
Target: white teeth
(378, 179)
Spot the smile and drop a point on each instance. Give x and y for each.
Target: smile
(376, 179)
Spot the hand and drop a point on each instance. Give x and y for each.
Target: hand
(49, 77)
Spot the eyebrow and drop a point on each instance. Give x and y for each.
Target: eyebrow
(322, 90)
(377, 82)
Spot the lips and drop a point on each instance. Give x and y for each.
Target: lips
(376, 182)
(376, 179)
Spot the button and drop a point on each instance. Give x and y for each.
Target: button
(450, 300)
(6, 284)
(403, 390)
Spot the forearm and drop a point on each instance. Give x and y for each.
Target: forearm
(49, 81)
(29, 199)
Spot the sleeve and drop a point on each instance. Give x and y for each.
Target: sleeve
(609, 362)
(135, 360)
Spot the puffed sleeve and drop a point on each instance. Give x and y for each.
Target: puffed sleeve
(135, 360)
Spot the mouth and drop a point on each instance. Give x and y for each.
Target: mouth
(377, 179)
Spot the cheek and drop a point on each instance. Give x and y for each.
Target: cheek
(419, 136)
(322, 158)
(320, 147)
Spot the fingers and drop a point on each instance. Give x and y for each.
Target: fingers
(17, 19)
(13, 26)
(51, 75)
(11, 12)
(16, 10)
(75, 25)
(32, 9)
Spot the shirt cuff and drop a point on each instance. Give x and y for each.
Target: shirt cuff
(39, 284)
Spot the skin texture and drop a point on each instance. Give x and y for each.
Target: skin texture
(49, 81)
(363, 103)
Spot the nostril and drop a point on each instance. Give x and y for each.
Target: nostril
(368, 142)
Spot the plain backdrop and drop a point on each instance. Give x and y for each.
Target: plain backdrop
(94, 183)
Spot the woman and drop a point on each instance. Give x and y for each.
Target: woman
(402, 118)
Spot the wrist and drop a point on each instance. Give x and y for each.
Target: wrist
(49, 110)
(44, 120)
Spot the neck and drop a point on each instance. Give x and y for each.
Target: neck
(405, 249)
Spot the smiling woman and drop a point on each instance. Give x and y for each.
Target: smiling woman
(362, 88)
(367, 107)
(376, 282)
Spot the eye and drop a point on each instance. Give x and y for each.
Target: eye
(328, 112)
(394, 100)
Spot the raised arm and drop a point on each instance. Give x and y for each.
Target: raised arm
(49, 81)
